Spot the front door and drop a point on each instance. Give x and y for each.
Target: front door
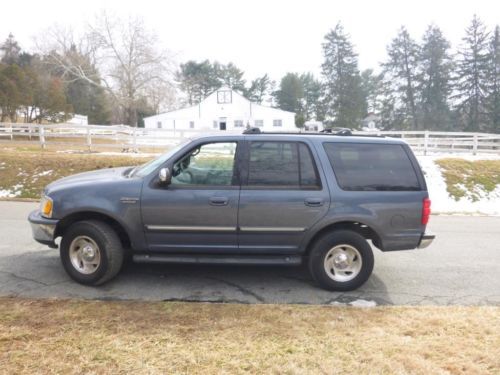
(281, 197)
(198, 211)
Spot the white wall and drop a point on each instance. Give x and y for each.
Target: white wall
(210, 113)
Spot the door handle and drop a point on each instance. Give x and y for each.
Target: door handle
(218, 201)
(313, 202)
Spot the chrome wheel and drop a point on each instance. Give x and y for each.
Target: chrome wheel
(84, 255)
(343, 263)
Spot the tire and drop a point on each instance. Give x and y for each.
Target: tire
(91, 252)
(341, 261)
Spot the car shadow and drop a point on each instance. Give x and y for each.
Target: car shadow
(39, 274)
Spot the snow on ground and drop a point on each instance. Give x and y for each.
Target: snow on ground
(443, 203)
(12, 193)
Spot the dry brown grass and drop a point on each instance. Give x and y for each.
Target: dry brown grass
(24, 167)
(132, 337)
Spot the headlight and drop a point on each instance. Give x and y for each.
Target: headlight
(46, 205)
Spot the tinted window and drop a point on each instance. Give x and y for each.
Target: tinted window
(369, 167)
(282, 164)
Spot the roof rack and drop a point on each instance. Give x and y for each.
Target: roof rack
(330, 131)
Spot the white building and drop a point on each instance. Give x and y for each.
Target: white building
(313, 126)
(370, 123)
(224, 109)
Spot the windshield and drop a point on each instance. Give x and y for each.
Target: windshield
(150, 166)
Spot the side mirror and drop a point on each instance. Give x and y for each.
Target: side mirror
(165, 176)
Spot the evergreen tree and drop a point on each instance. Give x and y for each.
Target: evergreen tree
(10, 51)
(14, 91)
(471, 77)
(435, 80)
(259, 89)
(343, 93)
(493, 99)
(290, 94)
(312, 103)
(400, 74)
(229, 75)
(371, 85)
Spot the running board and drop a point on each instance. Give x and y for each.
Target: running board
(288, 260)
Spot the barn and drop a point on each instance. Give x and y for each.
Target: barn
(224, 109)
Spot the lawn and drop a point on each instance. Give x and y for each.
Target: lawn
(56, 336)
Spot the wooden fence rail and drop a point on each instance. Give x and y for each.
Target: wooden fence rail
(130, 138)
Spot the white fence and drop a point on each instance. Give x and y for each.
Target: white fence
(129, 138)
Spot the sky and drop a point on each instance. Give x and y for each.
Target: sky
(259, 36)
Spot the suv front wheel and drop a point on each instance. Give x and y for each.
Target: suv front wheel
(91, 252)
(341, 261)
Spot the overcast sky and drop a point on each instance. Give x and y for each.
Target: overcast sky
(259, 36)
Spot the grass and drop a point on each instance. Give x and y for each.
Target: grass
(463, 177)
(42, 336)
(24, 171)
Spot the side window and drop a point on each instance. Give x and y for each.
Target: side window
(372, 167)
(281, 165)
(308, 173)
(211, 164)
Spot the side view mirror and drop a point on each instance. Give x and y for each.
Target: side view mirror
(165, 176)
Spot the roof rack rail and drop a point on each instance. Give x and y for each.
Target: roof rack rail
(337, 131)
(330, 131)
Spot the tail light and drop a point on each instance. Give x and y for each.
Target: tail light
(426, 210)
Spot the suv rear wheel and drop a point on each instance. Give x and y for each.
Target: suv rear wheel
(91, 252)
(341, 261)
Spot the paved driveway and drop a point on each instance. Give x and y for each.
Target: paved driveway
(461, 267)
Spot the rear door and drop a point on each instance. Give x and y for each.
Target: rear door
(381, 181)
(281, 196)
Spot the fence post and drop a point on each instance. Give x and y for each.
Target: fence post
(11, 132)
(41, 135)
(134, 139)
(426, 141)
(89, 139)
(474, 144)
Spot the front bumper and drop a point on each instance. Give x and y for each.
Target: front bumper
(426, 240)
(43, 229)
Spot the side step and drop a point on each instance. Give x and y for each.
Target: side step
(283, 260)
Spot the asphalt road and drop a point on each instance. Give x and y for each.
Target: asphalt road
(461, 267)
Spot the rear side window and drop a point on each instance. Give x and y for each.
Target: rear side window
(372, 167)
(282, 165)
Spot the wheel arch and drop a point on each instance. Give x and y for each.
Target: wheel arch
(74, 217)
(356, 226)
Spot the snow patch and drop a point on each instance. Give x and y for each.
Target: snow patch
(6, 194)
(45, 173)
(363, 303)
(12, 193)
(488, 202)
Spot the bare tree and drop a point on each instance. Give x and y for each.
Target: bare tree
(121, 55)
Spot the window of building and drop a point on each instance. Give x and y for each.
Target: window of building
(211, 164)
(372, 167)
(282, 165)
(238, 123)
(224, 97)
(191, 124)
(259, 123)
(277, 123)
(215, 124)
(158, 124)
